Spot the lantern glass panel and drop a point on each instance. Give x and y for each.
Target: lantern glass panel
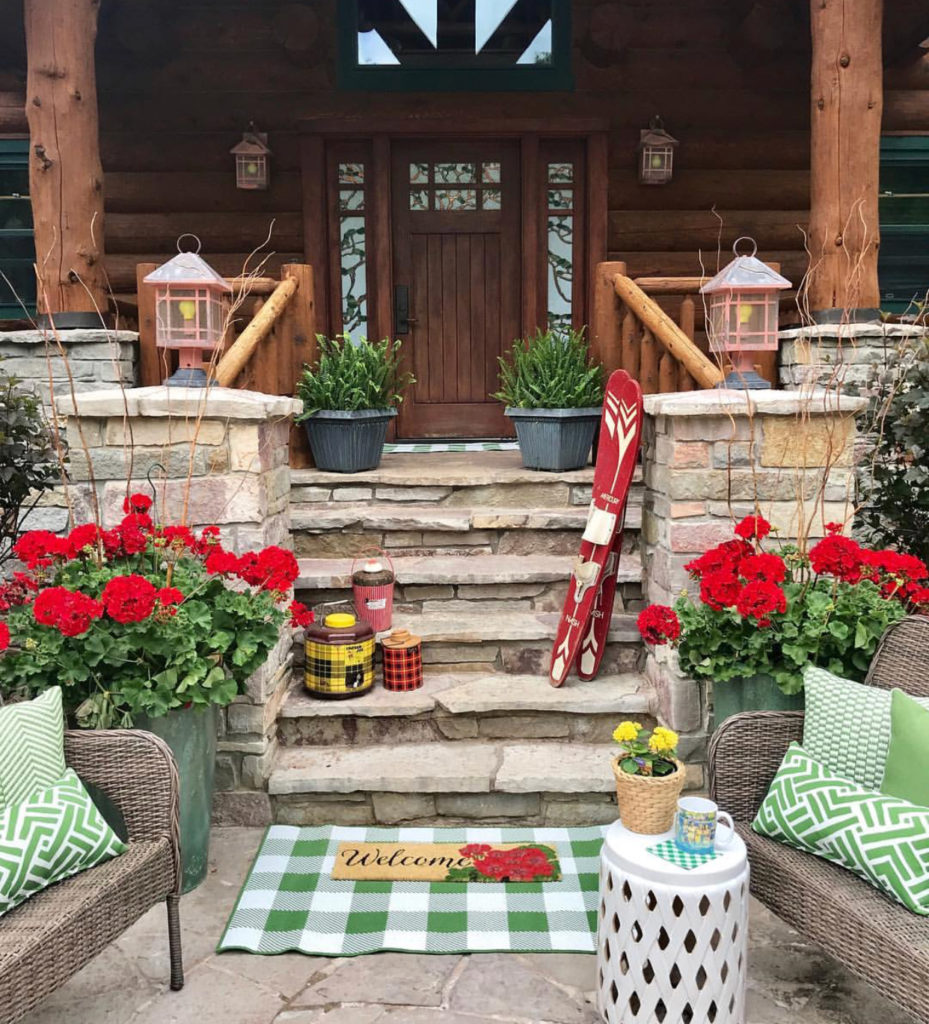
(251, 171)
(188, 317)
(657, 164)
(743, 320)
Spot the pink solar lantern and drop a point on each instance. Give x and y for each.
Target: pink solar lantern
(742, 314)
(252, 170)
(191, 306)
(656, 154)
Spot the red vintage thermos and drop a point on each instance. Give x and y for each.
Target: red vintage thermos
(373, 588)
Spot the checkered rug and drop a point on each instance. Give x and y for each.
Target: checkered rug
(289, 901)
(428, 447)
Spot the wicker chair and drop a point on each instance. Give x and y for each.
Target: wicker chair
(55, 933)
(875, 938)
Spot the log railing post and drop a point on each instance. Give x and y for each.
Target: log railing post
(606, 323)
(151, 369)
(65, 173)
(846, 109)
(301, 313)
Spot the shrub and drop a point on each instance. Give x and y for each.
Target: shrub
(550, 370)
(27, 461)
(350, 376)
(896, 510)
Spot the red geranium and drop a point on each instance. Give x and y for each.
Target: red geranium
(300, 615)
(838, 556)
(720, 589)
(658, 624)
(763, 567)
(725, 556)
(4, 636)
(273, 568)
(208, 539)
(83, 540)
(169, 595)
(520, 865)
(178, 537)
(69, 611)
(221, 563)
(17, 591)
(760, 599)
(39, 548)
(753, 527)
(129, 598)
(137, 503)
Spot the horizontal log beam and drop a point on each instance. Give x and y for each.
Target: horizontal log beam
(706, 373)
(234, 361)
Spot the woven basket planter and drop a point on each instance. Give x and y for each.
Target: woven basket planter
(647, 803)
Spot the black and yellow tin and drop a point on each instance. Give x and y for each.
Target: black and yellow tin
(339, 657)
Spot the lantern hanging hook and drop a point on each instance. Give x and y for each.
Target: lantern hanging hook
(656, 124)
(189, 234)
(744, 238)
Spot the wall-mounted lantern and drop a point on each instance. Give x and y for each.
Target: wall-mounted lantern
(191, 306)
(252, 169)
(656, 154)
(742, 315)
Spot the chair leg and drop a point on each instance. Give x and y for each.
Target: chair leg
(174, 943)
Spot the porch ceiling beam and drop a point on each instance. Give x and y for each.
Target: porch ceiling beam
(846, 109)
(65, 174)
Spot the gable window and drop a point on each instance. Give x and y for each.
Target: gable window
(449, 44)
(17, 248)
(903, 261)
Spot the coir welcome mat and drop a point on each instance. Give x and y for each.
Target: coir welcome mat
(290, 902)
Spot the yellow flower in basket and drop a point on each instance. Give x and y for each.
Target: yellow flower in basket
(663, 741)
(625, 732)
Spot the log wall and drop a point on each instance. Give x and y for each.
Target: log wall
(179, 82)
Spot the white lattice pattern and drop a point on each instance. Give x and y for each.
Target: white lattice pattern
(671, 954)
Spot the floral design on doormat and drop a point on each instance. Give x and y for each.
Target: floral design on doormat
(494, 864)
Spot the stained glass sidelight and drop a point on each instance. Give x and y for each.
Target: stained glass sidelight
(352, 250)
(560, 231)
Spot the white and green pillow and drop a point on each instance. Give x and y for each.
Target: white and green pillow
(847, 725)
(882, 839)
(52, 834)
(31, 746)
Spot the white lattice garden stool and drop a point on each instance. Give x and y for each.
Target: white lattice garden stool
(671, 942)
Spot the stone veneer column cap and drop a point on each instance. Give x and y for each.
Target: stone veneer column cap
(86, 336)
(853, 331)
(161, 401)
(731, 402)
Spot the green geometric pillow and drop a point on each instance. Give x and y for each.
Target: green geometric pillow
(882, 839)
(906, 774)
(52, 834)
(847, 725)
(31, 746)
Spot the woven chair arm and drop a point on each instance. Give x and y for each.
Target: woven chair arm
(745, 753)
(137, 771)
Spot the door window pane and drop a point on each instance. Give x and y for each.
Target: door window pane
(433, 191)
(560, 246)
(353, 250)
(457, 174)
(456, 199)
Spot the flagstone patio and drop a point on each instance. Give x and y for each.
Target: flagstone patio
(791, 982)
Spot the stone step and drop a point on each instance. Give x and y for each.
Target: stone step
(465, 707)
(526, 783)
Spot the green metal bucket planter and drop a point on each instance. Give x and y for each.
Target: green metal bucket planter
(191, 735)
(755, 693)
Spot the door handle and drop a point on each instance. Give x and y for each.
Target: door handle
(402, 318)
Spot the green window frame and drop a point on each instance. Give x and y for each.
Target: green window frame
(448, 78)
(17, 244)
(903, 261)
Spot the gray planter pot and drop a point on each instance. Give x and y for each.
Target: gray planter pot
(555, 440)
(348, 442)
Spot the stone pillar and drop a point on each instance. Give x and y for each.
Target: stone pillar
(225, 455)
(713, 457)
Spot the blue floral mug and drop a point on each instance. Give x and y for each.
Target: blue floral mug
(695, 827)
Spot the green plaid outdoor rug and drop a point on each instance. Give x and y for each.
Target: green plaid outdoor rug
(290, 903)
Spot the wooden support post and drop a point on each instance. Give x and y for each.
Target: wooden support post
(151, 368)
(847, 103)
(605, 324)
(689, 326)
(65, 173)
(231, 364)
(302, 316)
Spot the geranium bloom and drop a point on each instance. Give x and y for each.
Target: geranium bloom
(300, 615)
(129, 598)
(753, 527)
(763, 567)
(38, 548)
(83, 539)
(4, 636)
(726, 556)
(837, 556)
(69, 611)
(221, 563)
(178, 536)
(760, 599)
(137, 503)
(17, 591)
(658, 624)
(273, 568)
(169, 595)
(720, 589)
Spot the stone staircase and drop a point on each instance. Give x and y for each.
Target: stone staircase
(482, 550)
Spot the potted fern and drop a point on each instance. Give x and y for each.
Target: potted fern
(553, 394)
(349, 397)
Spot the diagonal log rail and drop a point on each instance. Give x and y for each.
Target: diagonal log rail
(664, 330)
(238, 355)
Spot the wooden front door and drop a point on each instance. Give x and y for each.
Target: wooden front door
(456, 276)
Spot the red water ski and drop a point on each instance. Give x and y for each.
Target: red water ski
(620, 430)
(594, 641)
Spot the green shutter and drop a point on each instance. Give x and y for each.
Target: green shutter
(17, 248)
(903, 265)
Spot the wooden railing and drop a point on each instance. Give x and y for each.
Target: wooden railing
(631, 330)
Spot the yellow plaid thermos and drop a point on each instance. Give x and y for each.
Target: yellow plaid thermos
(339, 657)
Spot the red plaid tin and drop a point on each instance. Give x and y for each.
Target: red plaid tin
(373, 588)
(403, 661)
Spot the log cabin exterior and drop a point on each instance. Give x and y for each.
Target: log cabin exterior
(459, 199)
